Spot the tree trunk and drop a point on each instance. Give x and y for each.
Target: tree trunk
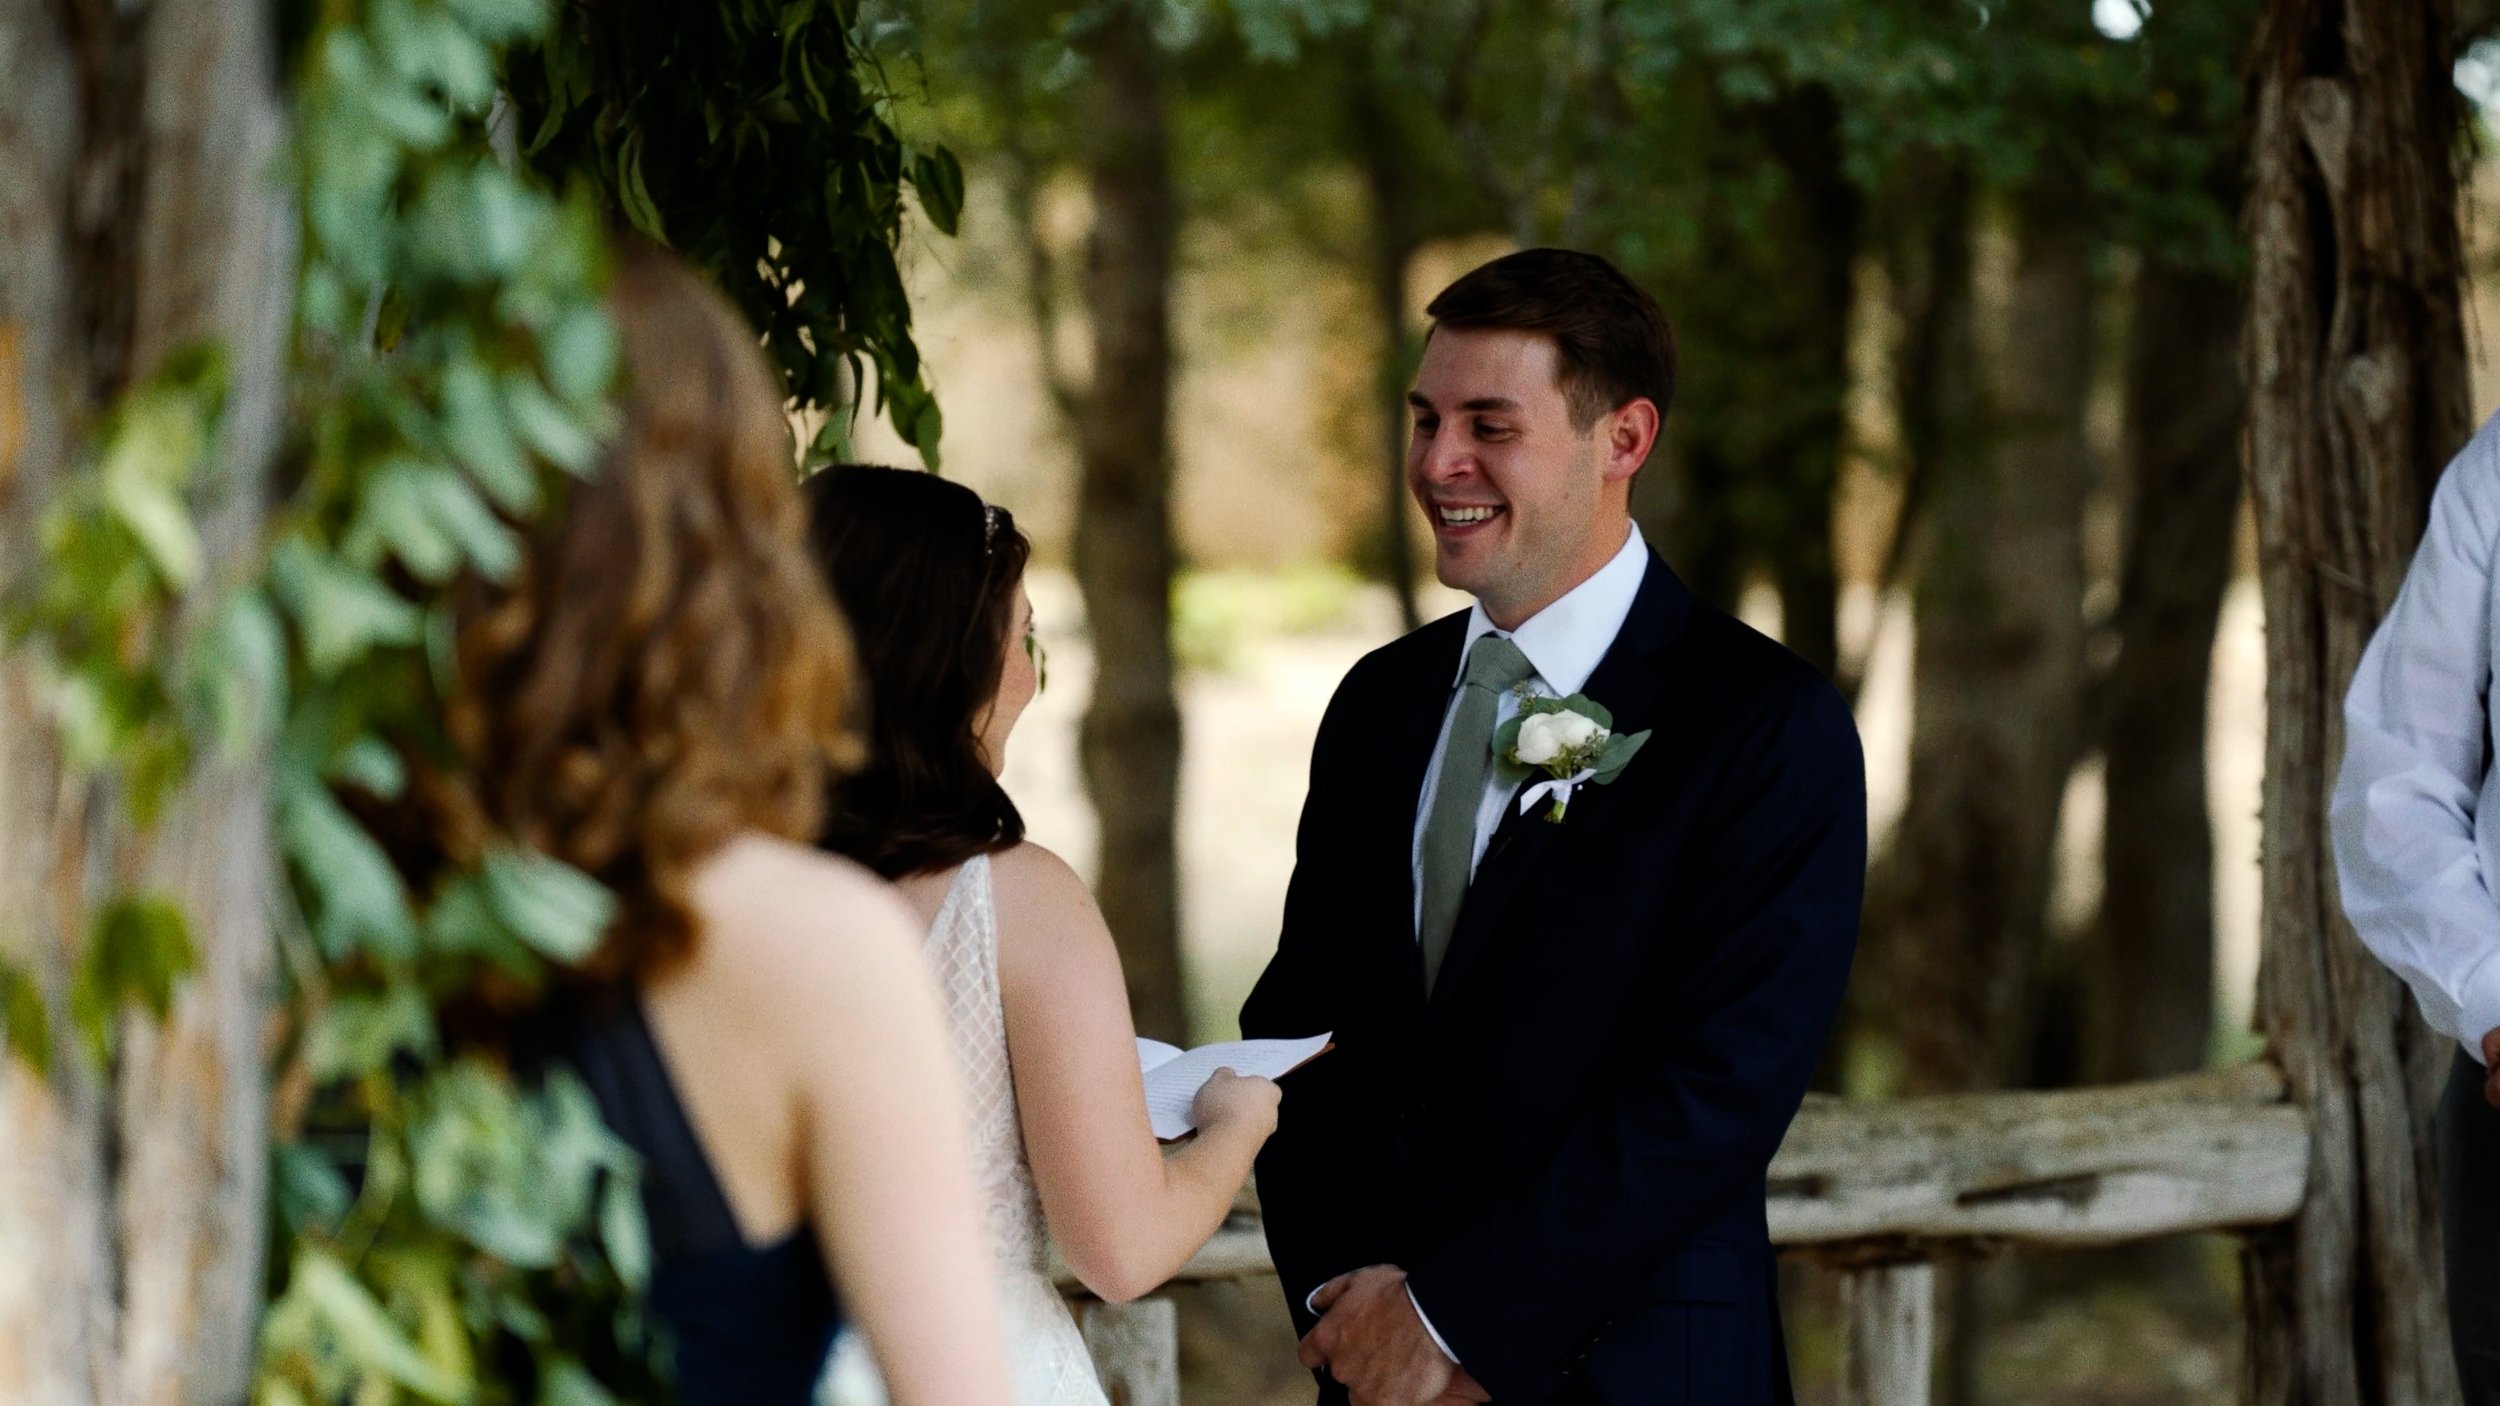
(1766, 414)
(2146, 973)
(1124, 552)
(1999, 660)
(1924, 229)
(138, 215)
(2149, 987)
(2356, 373)
(1998, 665)
(1391, 250)
(1804, 129)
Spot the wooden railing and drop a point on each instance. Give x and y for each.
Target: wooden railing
(1880, 1191)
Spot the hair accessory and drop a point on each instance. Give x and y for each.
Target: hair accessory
(989, 526)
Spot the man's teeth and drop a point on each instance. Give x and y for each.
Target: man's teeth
(1458, 517)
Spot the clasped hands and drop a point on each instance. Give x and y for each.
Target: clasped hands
(1371, 1339)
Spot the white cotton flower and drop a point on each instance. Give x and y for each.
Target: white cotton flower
(1540, 739)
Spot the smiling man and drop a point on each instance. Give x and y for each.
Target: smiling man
(1533, 1171)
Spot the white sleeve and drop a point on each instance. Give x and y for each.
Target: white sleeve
(2415, 724)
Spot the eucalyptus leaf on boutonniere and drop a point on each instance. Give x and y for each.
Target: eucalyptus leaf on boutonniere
(1572, 740)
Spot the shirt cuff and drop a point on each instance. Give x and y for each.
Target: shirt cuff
(2478, 1012)
(1426, 1320)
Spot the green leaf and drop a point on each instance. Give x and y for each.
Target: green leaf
(362, 1330)
(310, 1192)
(475, 430)
(502, 19)
(565, 1382)
(359, 1032)
(555, 908)
(623, 1231)
(370, 764)
(159, 436)
(493, 1165)
(340, 614)
(581, 355)
(25, 1022)
(461, 921)
(1618, 754)
(939, 178)
(546, 426)
(1586, 707)
(429, 517)
(420, 1280)
(632, 193)
(235, 675)
(361, 905)
(927, 427)
(138, 950)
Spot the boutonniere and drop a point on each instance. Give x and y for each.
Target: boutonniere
(1572, 740)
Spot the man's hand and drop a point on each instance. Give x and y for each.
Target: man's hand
(2491, 1067)
(1464, 1391)
(1370, 1339)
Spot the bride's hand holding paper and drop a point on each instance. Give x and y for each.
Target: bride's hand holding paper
(1179, 1082)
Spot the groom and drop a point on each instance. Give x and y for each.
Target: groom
(1533, 1170)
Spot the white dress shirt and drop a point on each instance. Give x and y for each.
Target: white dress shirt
(2416, 810)
(1564, 643)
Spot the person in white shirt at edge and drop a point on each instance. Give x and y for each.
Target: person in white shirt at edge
(933, 580)
(2417, 842)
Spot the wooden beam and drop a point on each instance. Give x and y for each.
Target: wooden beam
(1884, 1182)
(2216, 1151)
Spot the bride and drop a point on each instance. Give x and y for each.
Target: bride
(933, 581)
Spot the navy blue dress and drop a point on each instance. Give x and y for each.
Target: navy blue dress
(749, 1325)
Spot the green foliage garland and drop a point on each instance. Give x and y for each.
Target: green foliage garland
(751, 136)
(443, 1233)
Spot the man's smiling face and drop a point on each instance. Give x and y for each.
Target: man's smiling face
(1522, 504)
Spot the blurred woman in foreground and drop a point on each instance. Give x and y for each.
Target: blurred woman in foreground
(656, 699)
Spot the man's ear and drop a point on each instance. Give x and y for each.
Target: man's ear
(1629, 434)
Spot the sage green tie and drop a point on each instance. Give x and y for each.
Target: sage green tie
(1494, 667)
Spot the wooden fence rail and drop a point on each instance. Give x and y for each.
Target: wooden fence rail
(1880, 1191)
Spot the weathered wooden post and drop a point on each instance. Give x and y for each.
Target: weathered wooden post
(1137, 1350)
(1888, 1348)
(2356, 371)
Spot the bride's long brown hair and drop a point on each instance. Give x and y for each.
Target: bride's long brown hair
(929, 572)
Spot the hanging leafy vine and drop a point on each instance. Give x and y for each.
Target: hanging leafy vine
(752, 137)
(444, 1234)
(441, 1231)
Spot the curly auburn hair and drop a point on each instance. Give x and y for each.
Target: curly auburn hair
(666, 670)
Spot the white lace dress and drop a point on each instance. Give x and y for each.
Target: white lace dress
(1046, 1357)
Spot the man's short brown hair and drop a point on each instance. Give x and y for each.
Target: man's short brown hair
(1612, 345)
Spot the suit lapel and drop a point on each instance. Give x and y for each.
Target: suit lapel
(1628, 681)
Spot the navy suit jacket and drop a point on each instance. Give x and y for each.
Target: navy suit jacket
(1566, 1143)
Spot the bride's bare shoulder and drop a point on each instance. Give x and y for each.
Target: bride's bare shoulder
(1049, 931)
(1033, 885)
